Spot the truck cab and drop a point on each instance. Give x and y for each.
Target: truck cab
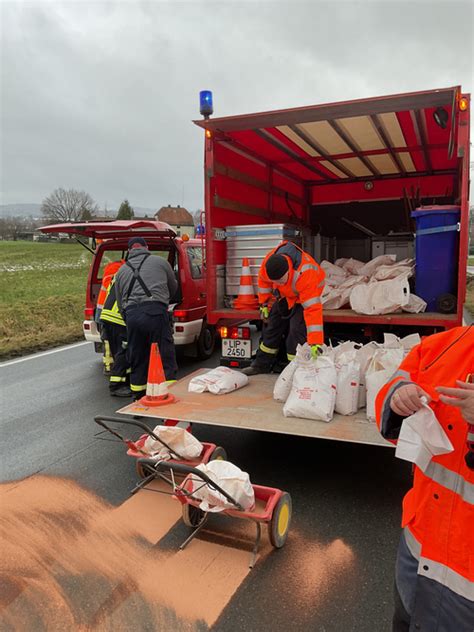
(108, 242)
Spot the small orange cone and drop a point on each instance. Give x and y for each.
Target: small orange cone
(247, 299)
(157, 387)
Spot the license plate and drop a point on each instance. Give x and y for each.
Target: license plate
(236, 348)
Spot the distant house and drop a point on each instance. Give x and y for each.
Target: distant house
(178, 218)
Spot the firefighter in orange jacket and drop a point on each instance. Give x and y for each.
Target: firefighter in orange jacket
(107, 276)
(297, 314)
(435, 563)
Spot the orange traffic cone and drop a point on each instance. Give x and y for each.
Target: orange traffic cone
(247, 299)
(157, 387)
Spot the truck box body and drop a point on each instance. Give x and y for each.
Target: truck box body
(350, 174)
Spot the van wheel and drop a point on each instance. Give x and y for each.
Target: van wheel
(206, 342)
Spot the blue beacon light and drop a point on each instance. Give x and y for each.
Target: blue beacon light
(205, 103)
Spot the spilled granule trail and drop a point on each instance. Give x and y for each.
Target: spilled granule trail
(67, 563)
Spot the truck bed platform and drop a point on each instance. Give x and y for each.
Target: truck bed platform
(253, 408)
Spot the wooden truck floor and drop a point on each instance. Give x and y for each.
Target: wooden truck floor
(253, 408)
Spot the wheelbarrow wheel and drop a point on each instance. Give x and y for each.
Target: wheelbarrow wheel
(219, 454)
(192, 516)
(279, 525)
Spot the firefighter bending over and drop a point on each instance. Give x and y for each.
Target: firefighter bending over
(297, 314)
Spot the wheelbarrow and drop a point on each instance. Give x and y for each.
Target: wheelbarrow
(210, 451)
(274, 509)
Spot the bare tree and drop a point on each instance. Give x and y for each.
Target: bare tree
(67, 206)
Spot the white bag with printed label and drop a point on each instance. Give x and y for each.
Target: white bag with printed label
(218, 381)
(179, 439)
(348, 376)
(313, 391)
(231, 479)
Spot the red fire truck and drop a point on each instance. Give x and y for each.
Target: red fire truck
(350, 175)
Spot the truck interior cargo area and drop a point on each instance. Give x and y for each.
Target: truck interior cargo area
(343, 180)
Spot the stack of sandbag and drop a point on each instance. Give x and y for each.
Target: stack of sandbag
(307, 386)
(218, 381)
(343, 379)
(379, 286)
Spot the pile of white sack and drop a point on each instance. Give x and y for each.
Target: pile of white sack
(342, 379)
(218, 381)
(377, 287)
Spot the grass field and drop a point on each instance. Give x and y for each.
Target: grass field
(42, 295)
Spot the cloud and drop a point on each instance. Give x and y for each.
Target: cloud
(100, 96)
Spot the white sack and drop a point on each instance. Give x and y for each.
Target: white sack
(218, 381)
(232, 480)
(313, 392)
(364, 356)
(381, 368)
(336, 298)
(391, 341)
(348, 375)
(415, 305)
(334, 274)
(392, 272)
(340, 262)
(282, 387)
(177, 438)
(353, 266)
(422, 437)
(369, 268)
(380, 297)
(408, 342)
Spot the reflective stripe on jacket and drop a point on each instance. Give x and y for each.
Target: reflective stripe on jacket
(304, 286)
(109, 273)
(438, 511)
(110, 312)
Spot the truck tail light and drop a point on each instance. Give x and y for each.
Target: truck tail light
(89, 313)
(235, 332)
(181, 315)
(463, 104)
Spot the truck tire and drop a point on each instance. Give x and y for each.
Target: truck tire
(206, 343)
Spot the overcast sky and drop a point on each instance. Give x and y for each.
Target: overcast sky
(99, 96)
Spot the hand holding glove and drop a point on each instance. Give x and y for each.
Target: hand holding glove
(264, 312)
(316, 350)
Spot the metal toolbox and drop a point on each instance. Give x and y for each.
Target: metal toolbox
(254, 241)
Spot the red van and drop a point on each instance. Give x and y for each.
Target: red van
(108, 241)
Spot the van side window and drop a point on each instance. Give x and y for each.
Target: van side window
(195, 261)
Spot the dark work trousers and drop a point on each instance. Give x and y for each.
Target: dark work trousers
(282, 323)
(149, 322)
(117, 338)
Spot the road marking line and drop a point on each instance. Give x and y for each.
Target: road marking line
(44, 353)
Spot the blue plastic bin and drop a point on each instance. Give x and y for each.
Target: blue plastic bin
(436, 252)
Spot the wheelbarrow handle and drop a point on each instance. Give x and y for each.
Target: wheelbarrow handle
(179, 468)
(100, 420)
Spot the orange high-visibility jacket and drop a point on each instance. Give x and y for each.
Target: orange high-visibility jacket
(304, 286)
(109, 273)
(438, 512)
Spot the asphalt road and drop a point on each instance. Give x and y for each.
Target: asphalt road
(335, 573)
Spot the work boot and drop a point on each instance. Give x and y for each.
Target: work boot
(138, 395)
(122, 391)
(255, 369)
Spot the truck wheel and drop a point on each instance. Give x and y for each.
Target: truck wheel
(206, 342)
(280, 523)
(192, 516)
